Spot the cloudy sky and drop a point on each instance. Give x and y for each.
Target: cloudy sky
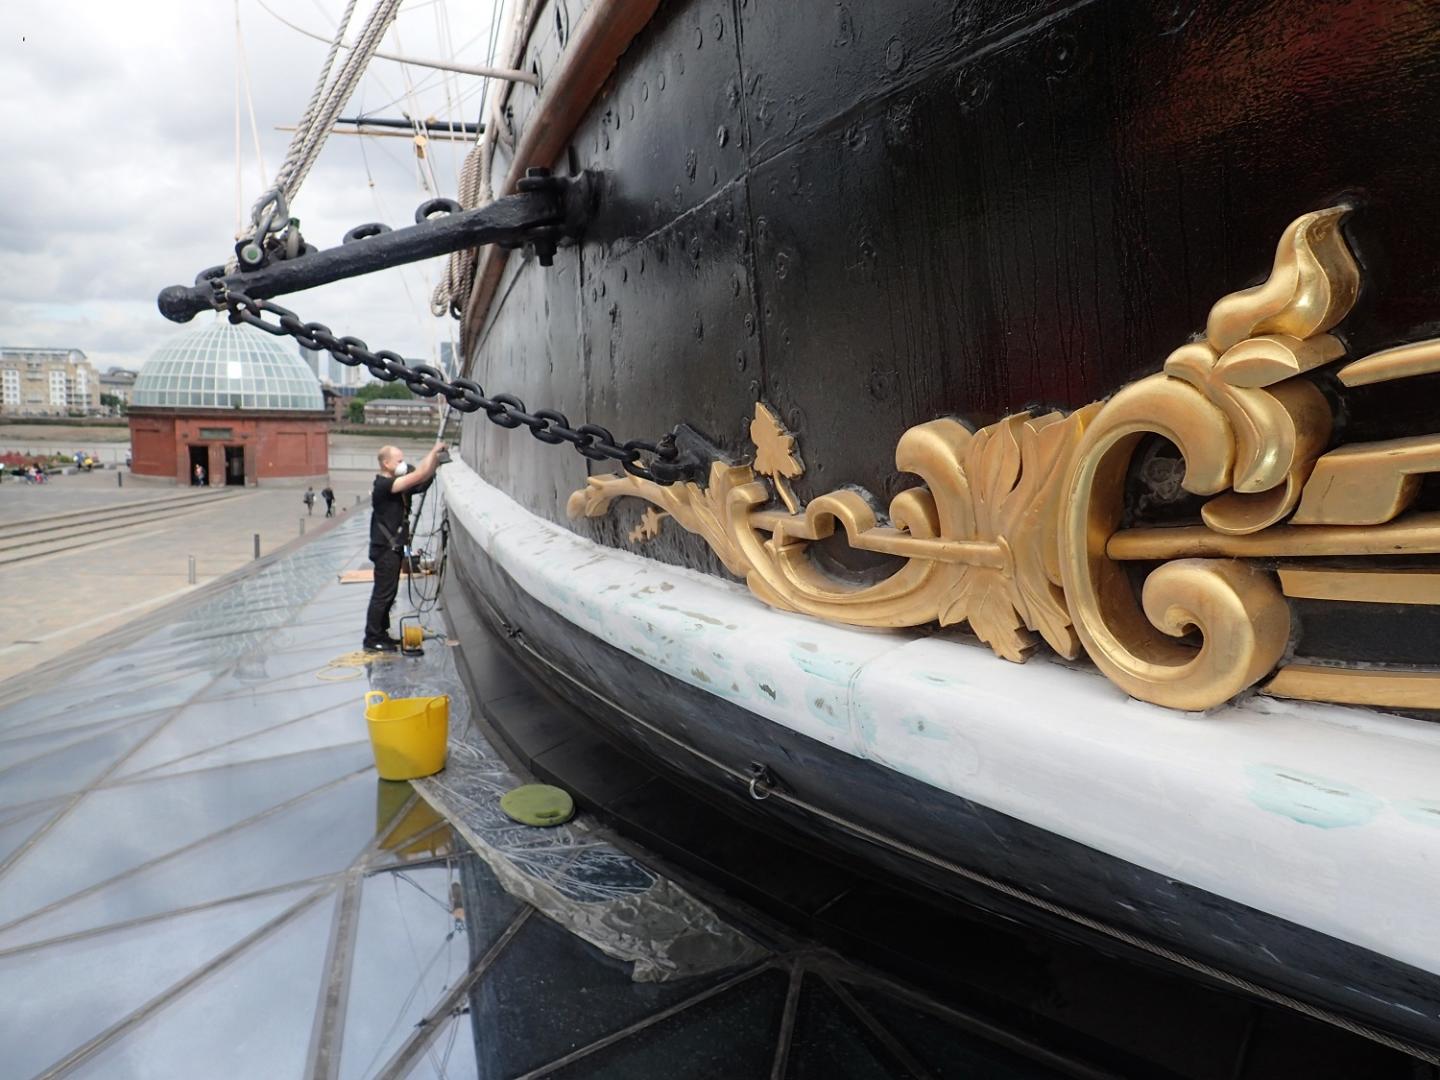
(117, 160)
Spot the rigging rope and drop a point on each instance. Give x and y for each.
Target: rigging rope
(326, 101)
(243, 65)
(474, 190)
(506, 74)
(303, 128)
(322, 118)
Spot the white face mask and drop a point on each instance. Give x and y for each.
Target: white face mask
(402, 468)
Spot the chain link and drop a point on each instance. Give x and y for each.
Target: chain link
(548, 425)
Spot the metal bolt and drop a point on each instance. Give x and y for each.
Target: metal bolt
(257, 545)
(119, 479)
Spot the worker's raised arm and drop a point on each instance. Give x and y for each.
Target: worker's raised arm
(421, 473)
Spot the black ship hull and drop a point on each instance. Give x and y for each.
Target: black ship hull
(871, 254)
(903, 828)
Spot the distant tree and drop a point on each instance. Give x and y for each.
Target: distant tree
(355, 410)
(114, 401)
(371, 391)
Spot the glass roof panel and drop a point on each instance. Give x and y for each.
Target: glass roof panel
(115, 829)
(17, 830)
(77, 989)
(267, 373)
(451, 1055)
(205, 725)
(412, 946)
(322, 834)
(252, 1017)
(72, 767)
(730, 1034)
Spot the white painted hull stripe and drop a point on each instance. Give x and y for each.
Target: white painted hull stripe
(1323, 815)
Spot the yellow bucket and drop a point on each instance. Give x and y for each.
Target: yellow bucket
(407, 734)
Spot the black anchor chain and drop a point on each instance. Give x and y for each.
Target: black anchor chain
(659, 461)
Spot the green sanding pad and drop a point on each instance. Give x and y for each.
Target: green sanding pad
(538, 804)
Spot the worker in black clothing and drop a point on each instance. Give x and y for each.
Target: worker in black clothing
(389, 534)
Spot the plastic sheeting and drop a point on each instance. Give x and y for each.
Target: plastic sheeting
(574, 876)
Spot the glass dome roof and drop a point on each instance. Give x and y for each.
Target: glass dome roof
(226, 365)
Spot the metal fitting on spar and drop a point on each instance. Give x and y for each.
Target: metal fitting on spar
(546, 211)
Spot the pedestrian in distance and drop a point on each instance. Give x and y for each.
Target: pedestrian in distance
(329, 496)
(309, 501)
(389, 534)
(198, 480)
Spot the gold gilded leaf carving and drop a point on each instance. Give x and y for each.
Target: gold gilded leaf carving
(959, 535)
(1311, 287)
(649, 525)
(775, 454)
(1015, 494)
(695, 509)
(1016, 530)
(774, 447)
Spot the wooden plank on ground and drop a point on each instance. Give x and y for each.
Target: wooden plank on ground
(357, 577)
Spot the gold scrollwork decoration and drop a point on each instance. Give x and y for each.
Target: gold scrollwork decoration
(1249, 430)
(1016, 529)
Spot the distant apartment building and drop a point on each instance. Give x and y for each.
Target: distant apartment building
(402, 412)
(47, 382)
(118, 382)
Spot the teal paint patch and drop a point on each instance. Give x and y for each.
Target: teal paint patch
(923, 727)
(826, 709)
(833, 669)
(1310, 800)
(1422, 813)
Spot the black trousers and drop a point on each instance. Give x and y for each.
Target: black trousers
(382, 594)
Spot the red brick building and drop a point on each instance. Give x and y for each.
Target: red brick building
(234, 401)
